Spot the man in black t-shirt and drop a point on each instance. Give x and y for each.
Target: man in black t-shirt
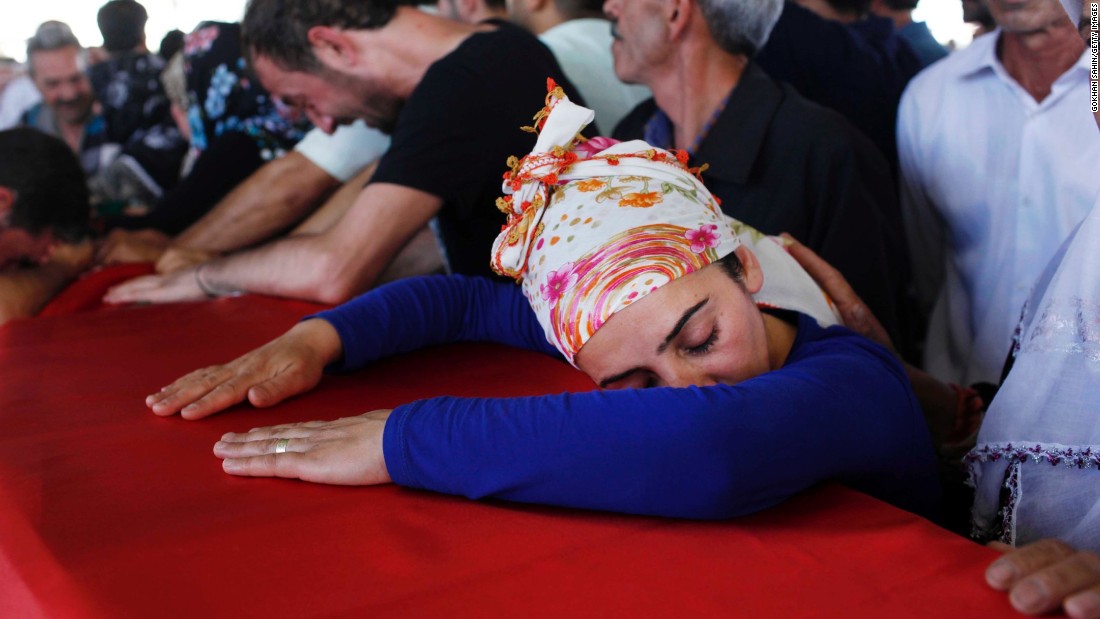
(452, 95)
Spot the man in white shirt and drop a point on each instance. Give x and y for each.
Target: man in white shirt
(580, 37)
(996, 173)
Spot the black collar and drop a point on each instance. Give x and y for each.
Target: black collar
(734, 142)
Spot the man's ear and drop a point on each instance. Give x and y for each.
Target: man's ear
(333, 47)
(679, 14)
(535, 6)
(754, 277)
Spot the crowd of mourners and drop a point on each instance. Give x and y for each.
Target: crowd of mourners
(790, 241)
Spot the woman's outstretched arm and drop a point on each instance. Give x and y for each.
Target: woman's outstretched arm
(426, 311)
(399, 317)
(840, 408)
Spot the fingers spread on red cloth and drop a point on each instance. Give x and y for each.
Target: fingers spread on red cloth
(180, 286)
(131, 290)
(261, 447)
(288, 380)
(201, 393)
(291, 465)
(1020, 562)
(1084, 604)
(273, 433)
(346, 451)
(286, 366)
(180, 258)
(1049, 574)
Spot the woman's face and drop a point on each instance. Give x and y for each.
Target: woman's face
(702, 329)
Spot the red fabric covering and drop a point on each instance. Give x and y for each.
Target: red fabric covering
(107, 510)
(86, 293)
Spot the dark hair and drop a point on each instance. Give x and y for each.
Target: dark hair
(575, 9)
(122, 24)
(901, 5)
(278, 29)
(48, 183)
(851, 7)
(731, 264)
(495, 4)
(171, 44)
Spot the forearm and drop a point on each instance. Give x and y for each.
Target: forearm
(337, 205)
(426, 311)
(421, 256)
(301, 267)
(607, 451)
(327, 267)
(318, 339)
(275, 198)
(710, 452)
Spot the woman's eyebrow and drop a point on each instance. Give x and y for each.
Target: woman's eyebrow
(691, 311)
(680, 325)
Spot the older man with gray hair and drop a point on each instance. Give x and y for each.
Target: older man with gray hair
(68, 111)
(777, 161)
(57, 66)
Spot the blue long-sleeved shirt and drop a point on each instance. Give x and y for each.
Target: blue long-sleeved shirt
(841, 407)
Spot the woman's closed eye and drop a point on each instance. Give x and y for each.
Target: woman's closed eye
(704, 347)
(637, 379)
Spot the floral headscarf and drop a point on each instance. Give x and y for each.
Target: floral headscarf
(594, 228)
(225, 96)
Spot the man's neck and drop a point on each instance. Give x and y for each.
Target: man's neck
(140, 50)
(1037, 59)
(73, 134)
(691, 90)
(901, 18)
(547, 18)
(415, 40)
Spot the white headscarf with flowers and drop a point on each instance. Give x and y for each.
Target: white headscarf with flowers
(592, 231)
